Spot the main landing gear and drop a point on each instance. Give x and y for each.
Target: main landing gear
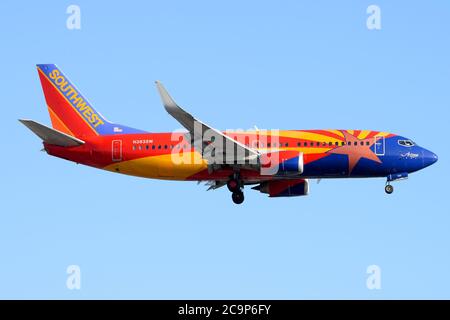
(235, 186)
(238, 197)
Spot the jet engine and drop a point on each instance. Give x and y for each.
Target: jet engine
(284, 188)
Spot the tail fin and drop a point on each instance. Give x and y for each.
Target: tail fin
(69, 110)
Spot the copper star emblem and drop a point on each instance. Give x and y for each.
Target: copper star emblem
(355, 150)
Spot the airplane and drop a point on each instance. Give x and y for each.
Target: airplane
(279, 163)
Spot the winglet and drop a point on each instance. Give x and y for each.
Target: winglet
(186, 119)
(167, 100)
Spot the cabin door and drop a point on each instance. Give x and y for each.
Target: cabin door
(379, 146)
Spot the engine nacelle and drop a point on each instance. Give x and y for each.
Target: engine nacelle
(284, 188)
(281, 162)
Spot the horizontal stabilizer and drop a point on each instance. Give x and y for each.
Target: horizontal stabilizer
(51, 136)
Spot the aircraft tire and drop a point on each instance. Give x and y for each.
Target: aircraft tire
(238, 197)
(389, 189)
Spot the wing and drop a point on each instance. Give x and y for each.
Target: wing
(215, 146)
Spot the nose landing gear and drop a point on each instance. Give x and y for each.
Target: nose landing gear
(388, 188)
(394, 177)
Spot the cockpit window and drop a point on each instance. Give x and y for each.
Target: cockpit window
(406, 143)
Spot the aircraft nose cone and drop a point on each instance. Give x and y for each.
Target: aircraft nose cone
(428, 157)
(435, 157)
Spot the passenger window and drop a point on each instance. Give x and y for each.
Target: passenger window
(336, 143)
(146, 147)
(330, 143)
(286, 145)
(367, 143)
(298, 144)
(159, 146)
(355, 143)
(343, 143)
(153, 147)
(165, 146)
(318, 144)
(362, 143)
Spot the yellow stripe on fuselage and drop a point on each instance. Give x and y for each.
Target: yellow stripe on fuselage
(336, 132)
(163, 166)
(159, 167)
(382, 134)
(310, 136)
(363, 134)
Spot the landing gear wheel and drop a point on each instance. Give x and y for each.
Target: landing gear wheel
(233, 185)
(238, 197)
(389, 189)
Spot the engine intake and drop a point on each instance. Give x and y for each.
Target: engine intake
(282, 162)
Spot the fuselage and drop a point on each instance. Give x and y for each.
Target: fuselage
(326, 154)
(278, 162)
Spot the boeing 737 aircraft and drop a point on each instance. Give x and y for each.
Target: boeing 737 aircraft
(277, 162)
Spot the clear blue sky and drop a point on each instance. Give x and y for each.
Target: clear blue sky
(234, 64)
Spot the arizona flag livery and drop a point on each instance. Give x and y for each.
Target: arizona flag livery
(279, 163)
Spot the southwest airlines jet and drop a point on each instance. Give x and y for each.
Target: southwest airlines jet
(279, 163)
